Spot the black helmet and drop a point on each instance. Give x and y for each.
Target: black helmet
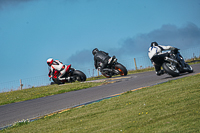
(94, 51)
(154, 44)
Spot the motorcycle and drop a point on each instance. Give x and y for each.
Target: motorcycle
(114, 68)
(174, 64)
(73, 74)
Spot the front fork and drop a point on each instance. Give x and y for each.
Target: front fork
(180, 59)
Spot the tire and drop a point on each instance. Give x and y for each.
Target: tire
(122, 69)
(190, 69)
(170, 69)
(80, 76)
(106, 74)
(56, 81)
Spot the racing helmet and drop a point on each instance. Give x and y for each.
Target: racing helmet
(50, 61)
(94, 51)
(154, 44)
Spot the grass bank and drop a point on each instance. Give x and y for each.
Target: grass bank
(169, 107)
(37, 92)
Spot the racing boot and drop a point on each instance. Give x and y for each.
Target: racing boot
(67, 79)
(161, 72)
(100, 69)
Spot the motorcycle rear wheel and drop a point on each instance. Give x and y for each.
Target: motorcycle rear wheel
(106, 74)
(170, 69)
(56, 81)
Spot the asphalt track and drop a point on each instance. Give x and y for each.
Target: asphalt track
(14, 112)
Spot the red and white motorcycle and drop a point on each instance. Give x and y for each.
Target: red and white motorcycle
(73, 74)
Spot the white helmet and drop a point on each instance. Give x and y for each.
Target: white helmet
(50, 61)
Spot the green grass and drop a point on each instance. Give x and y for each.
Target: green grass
(141, 70)
(193, 60)
(173, 106)
(37, 92)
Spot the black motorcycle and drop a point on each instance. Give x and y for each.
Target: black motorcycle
(114, 68)
(173, 63)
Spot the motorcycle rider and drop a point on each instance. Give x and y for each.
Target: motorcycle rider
(57, 65)
(155, 54)
(101, 59)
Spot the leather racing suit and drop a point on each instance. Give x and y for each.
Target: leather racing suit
(155, 54)
(101, 59)
(57, 65)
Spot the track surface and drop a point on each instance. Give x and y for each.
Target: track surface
(38, 107)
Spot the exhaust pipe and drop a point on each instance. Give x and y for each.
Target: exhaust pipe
(107, 69)
(172, 60)
(111, 70)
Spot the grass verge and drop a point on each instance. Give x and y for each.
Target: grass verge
(169, 107)
(37, 92)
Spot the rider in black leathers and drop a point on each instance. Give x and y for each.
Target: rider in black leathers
(101, 59)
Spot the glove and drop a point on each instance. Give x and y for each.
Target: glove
(173, 48)
(177, 49)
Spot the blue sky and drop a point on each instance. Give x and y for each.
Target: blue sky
(31, 31)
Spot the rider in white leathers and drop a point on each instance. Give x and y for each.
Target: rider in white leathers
(57, 65)
(155, 51)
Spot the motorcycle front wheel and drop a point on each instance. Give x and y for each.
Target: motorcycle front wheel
(79, 76)
(122, 69)
(170, 69)
(190, 69)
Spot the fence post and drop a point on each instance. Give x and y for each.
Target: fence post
(135, 64)
(21, 85)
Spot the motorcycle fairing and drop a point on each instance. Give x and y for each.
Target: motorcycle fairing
(68, 68)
